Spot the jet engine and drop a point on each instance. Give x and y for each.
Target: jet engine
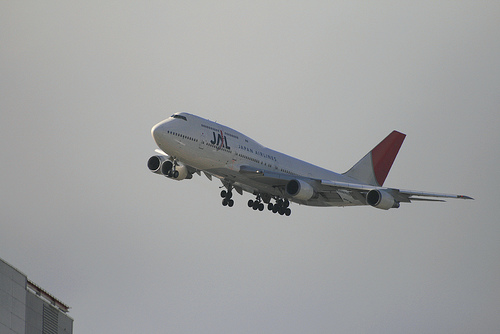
(155, 163)
(166, 168)
(381, 200)
(160, 164)
(299, 189)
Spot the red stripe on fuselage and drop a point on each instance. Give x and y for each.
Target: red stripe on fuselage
(222, 141)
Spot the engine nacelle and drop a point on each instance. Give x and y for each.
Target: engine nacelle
(381, 200)
(299, 189)
(156, 162)
(166, 168)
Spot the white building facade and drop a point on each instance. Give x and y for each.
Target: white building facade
(25, 308)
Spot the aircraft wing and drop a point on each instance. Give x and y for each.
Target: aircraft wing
(334, 190)
(265, 176)
(412, 195)
(398, 194)
(161, 152)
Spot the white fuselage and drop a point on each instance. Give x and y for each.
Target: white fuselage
(221, 151)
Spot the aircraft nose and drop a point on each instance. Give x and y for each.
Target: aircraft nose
(157, 130)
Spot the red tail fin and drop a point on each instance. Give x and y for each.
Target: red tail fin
(384, 154)
(375, 166)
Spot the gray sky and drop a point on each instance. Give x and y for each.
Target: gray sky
(81, 85)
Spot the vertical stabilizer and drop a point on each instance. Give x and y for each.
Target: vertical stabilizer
(373, 168)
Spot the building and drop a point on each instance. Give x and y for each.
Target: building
(25, 308)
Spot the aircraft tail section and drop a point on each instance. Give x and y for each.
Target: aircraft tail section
(373, 168)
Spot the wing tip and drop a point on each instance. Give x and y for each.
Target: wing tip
(464, 197)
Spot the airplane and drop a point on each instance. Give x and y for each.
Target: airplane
(189, 145)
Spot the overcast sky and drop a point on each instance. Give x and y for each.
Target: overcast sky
(82, 83)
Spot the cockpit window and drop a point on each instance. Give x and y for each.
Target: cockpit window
(180, 117)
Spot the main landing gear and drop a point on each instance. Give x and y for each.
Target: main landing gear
(281, 206)
(227, 198)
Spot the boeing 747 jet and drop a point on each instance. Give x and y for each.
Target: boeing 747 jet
(190, 145)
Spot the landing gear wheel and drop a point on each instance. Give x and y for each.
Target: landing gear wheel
(250, 203)
(230, 203)
(226, 194)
